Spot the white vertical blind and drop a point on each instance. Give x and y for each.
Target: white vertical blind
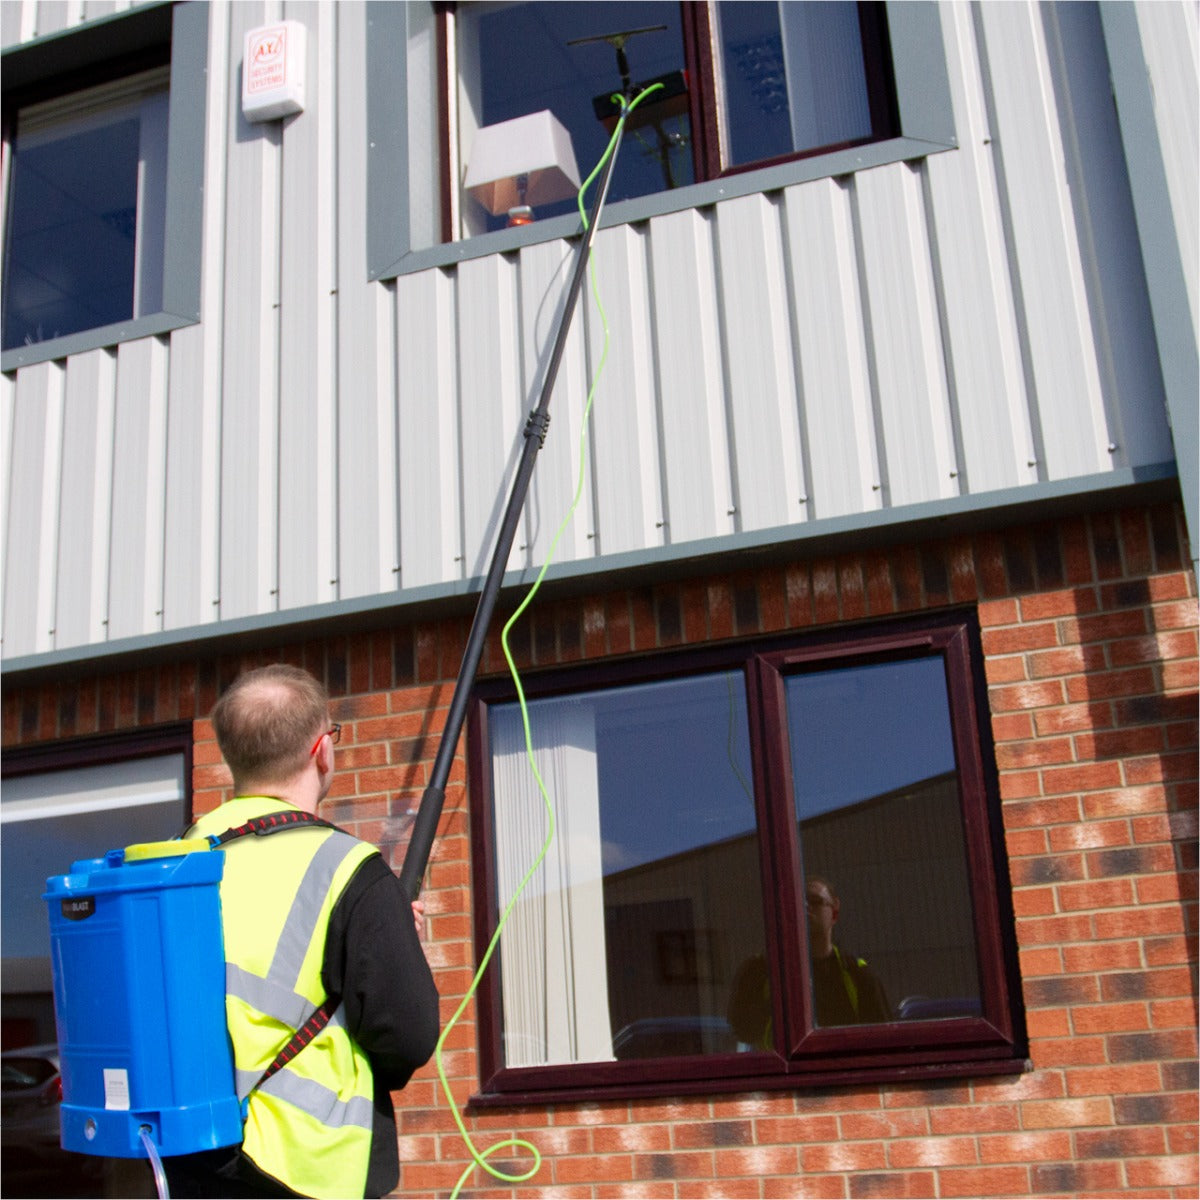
(554, 967)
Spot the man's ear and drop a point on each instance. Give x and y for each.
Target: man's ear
(324, 756)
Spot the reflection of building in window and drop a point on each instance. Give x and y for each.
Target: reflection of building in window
(764, 82)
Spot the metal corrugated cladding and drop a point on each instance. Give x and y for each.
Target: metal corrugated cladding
(916, 332)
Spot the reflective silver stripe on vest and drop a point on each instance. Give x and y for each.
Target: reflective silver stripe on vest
(267, 997)
(301, 923)
(320, 1102)
(275, 996)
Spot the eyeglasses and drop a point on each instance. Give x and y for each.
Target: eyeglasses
(334, 732)
(817, 902)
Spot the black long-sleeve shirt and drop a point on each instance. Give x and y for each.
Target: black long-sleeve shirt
(374, 961)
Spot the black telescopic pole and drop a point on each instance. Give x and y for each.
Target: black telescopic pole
(430, 810)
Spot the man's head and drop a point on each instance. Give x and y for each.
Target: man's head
(823, 905)
(270, 724)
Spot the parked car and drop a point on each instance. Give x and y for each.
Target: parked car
(33, 1158)
(663, 1037)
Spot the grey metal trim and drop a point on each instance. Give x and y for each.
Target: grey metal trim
(643, 208)
(182, 247)
(184, 239)
(798, 542)
(926, 124)
(388, 232)
(69, 49)
(1177, 351)
(92, 339)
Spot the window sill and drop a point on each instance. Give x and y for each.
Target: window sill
(793, 1080)
(104, 337)
(697, 195)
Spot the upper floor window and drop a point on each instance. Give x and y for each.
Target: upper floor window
(772, 861)
(86, 210)
(104, 129)
(742, 84)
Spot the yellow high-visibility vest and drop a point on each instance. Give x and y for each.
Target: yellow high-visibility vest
(309, 1125)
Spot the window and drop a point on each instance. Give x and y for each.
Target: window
(104, 132)
(415, 217)
(68, 801)
(86, 205)
(742, 84)
(774, 862)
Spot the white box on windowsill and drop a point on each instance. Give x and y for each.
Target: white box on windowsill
(273, 71)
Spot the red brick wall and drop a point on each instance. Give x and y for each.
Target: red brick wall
(1090, 635)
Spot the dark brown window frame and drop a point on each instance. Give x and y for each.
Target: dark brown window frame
(993, 1043)
(100, 749)
(699, 48)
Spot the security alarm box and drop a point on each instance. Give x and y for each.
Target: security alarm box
(273, 71)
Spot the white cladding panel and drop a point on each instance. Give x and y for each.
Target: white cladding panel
(691, 385)
(624, 432)
(835, 378)
(250, 435)
(959, 324)
(307, 345)
(1045, 249)
(427, 420)
(84, 549)
(768, 481)
(139, 473)
(983, 344)
(545, 277)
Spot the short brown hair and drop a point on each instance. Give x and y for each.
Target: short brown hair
(266, 720)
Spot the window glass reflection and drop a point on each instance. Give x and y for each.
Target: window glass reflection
(794, 77)
(84, 240)
(627, 940)
(890, 925)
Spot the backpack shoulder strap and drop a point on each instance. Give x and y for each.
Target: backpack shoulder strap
(272, 823)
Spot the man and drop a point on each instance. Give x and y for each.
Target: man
(845, 990)
(311, 917)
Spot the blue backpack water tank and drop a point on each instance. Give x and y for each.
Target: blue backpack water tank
(139, 996)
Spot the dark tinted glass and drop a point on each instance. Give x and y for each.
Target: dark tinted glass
(70, 252)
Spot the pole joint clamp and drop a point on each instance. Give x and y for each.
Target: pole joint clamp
(537, 425)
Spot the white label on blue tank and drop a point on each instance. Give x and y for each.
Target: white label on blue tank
(116, 1088)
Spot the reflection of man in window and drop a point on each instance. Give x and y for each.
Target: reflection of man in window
(845, 990)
